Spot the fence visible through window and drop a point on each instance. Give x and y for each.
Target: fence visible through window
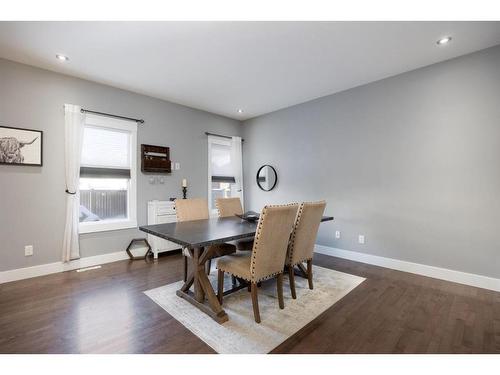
(97, 205)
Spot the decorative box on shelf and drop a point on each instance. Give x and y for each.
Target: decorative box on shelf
(161, 212)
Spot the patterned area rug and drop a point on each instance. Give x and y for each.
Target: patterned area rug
(241, 334)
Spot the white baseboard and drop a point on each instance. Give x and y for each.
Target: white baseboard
(46, 269)
(419, 269)
(400, 265)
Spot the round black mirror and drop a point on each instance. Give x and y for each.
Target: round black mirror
(267, 177)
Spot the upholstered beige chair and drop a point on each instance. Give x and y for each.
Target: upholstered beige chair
(267, 259)
(302, 240)
(191, 209)
(197, 209)
(228, 207)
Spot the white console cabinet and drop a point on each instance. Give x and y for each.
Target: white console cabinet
(161, 212)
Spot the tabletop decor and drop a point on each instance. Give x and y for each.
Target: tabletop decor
(249, 216)
(20, 146)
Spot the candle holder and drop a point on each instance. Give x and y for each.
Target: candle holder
(184, 192)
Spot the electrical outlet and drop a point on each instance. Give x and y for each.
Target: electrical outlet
(28, 250)
(337, 234)
(177, 166)
(361, 239)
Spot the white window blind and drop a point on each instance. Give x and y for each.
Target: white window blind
(220, 160)
(105, 148)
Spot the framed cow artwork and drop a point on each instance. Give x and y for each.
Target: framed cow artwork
(20, 146)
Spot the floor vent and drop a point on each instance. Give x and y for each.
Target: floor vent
(88, 269)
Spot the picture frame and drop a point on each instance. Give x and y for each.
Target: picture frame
(21, 146)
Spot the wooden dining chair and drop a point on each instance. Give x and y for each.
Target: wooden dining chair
(302, 240)
(197, 209)
(229, 207)
(267, 258)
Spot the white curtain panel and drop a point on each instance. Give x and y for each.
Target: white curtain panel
(73, 138)
(237, 166)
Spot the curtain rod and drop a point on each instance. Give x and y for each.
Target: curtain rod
(140, 121)
(223, 136)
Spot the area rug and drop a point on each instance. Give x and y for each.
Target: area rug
(241, 334)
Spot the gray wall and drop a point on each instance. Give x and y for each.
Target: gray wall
(32, 199)
(411, 162)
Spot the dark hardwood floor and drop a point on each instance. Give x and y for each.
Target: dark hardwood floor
(105, 311)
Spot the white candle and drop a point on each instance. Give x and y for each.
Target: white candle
(184, 182)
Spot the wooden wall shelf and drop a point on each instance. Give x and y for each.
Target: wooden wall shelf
(155, 159)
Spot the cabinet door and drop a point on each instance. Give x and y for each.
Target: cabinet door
(165, 245)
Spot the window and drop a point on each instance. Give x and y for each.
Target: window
(221, 175)
(108, 175)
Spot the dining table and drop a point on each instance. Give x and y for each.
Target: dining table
(196, 237)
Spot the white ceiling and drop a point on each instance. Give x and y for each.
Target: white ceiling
(222, 66)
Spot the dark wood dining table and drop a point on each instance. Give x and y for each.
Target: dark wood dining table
(196, 236)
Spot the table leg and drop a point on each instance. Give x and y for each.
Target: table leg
(198, 267)
(188, 283)
(202, 288)
(190, 279)
(213, 301)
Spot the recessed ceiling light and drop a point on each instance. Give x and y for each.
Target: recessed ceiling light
(240, 110)
(445, 40)
(62, 57)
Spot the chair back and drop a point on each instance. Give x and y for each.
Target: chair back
(271, 240)
(301, 246)
(191, 209)
(228, 207)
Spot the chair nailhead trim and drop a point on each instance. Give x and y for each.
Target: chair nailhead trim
(257, 238)
(291, 245)
(256, 248)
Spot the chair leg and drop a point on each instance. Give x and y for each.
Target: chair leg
(220, 285)
(291, 277)
(310, 273)
(185, 268)
(255, 302)
(233, 280)
(209, 266)
(279, 285)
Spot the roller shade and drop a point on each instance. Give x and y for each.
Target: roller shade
(223, 179)
(221, 160)
(105, 148)
(105, 153)
(221, 167)
(93, 172)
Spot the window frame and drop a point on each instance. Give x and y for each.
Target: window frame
(97, 121)
(220, 141)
